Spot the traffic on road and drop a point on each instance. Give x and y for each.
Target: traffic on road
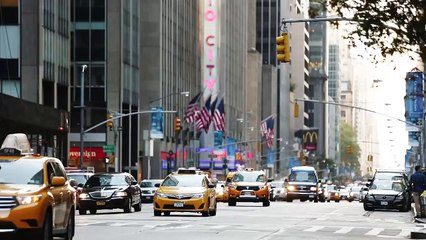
(39, 199)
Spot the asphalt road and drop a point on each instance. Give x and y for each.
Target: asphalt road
(248, 221)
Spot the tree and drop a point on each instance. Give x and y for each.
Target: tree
(396, 26)
(348, 137)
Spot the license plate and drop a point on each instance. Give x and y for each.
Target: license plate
(178, 204)
(311, 196)
(148, 197)
(384, 203)
(100, 203)
(247, 193)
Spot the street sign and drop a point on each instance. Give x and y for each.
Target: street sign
(108, 148)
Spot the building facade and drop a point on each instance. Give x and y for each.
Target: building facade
(34, 73)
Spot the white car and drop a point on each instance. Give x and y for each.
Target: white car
(148, 188)
(278, 190)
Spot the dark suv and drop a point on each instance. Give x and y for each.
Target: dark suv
(389, 189)
(303, 184)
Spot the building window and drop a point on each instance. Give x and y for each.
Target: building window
(11, 88)
(81, 10)
(82, 45)
(343, 113)
(98, 10)
(98, 45)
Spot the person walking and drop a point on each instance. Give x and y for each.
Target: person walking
(418, 185)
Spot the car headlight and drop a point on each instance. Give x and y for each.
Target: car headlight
(24, 200)
(198, 195)
(313, 188)
(84, 195)
(399, 196)
(291, 188)
(120, 194)
(351, 194)
(161, 195)
(370, 197)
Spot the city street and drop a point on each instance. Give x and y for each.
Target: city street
(282, 220)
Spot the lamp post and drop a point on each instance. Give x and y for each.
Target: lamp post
(83, 68)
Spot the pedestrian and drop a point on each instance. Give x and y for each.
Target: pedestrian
(418, 185)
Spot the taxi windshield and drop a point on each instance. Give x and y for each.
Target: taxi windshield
(249, 177)
(106, 180)
(183, 181)
(21, 172)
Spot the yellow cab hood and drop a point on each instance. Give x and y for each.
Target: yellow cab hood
(259, 184)
(18, 189)
(181, 190)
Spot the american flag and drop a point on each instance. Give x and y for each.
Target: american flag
(267, 130)
(192, 109)
(203, 117)
(219, 117)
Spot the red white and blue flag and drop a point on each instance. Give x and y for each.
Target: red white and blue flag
(267, 131)
(219, 116)
(203, 117)
(192, 109)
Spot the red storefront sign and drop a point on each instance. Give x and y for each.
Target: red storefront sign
(93, 153)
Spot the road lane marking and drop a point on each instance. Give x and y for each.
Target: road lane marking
(273, 235)
(404, 232)
(218, 226)
(314, 229)
(375, 231)
(344, 230)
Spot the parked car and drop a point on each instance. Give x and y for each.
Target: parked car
(148, 188)
(388, 190)
(109, 191)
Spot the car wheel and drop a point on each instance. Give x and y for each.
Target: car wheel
(82, 211)
(138, 207)
(93, 211)
(213, 212)
(266, 203)
(69, 234)
(328, 200)
(316, 199)
(289, 199)
(157, 213)
(337, 200)
(366, 208)
(232, 202)
(46, 231)
(128, 207)
(166, 213)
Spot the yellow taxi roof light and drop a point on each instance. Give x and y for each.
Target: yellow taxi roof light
(17, 141)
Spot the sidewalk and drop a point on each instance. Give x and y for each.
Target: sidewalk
(418, 234)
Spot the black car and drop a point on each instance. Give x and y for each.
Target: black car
(109, 191)
(388, 191)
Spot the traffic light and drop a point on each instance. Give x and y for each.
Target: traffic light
(177, 124)
(110, 123)
(349, 149)
(283, 48)
(370, 158)
(296, 110)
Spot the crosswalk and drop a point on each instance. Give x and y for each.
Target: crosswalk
(339, 231)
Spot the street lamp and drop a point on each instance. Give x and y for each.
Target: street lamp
(185, 93)
(83, 68)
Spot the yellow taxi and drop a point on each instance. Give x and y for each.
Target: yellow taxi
(35, 196)
(248, 186)
(185, 191)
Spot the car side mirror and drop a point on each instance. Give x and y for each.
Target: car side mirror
(319, 180)
(270, 179)
(286, 180)
(157, 185)
(58, 181)
(134, 183)
(222, 185)
(210, 185)
(367, 185)
(80, 185)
